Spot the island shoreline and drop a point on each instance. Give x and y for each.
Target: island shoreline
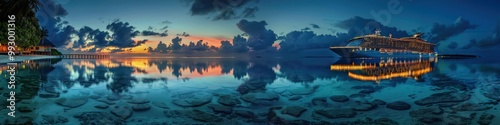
(5, 58)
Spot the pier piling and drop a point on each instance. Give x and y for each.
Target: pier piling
(83, 56)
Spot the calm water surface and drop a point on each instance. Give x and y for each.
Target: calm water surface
(257, 91)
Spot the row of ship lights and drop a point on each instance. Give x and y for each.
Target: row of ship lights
(372, 65)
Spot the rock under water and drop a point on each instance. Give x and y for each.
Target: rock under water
(260, 97)
(161, 105)
(98, 118)
(218, 108)
(443, 97)
(123, 112)
(193, 99)
(398, 105)
(492, 92)
(141, 107)
(339, 98)
(486, 119)
(468, 106)
(54, 119)
(295, 111)
(199, 115)
(336, 113)
(228, 100)
(72, 102)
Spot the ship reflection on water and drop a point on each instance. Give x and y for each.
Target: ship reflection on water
(385, 68)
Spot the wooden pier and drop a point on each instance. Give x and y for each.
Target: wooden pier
(84, 56)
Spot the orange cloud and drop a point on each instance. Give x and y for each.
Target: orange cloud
(215, 41)
(138, 49)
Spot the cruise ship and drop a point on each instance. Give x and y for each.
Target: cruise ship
(376, 45)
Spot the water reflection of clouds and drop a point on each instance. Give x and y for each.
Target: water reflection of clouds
(120, 75)
(73, 74)
(127, 71)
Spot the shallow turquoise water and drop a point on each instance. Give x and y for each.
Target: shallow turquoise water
(257, 91)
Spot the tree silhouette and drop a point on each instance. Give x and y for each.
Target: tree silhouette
(44, 33)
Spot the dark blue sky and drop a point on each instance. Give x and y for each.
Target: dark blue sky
(283, 16)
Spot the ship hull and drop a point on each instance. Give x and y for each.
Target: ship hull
(359, 52)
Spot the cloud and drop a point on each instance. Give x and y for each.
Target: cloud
(140, 42)
(442, 32)
(166, 22)
(223, 9)
(164, 28)
(49, 16)
(150, 28)
(225, 15)
(63, 36)
(93, 50)
(250, 12)
(184, 34)
(306, 28)
(226, 46)
(152, 33)
(333, 31)
(252, 28)
(101, 19)
(453, 45)
(362, 26)
(259, 37)
(315, 26)
(52, 8)
(161, 48)
(239, 45)
(487, 42)
(117, 50)
(100, 38)
(123, 33)
(302, 40)
(83, 34)
(121, 37)
(494, 40)
(471, 44)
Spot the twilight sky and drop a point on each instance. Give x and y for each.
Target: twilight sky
(201, 20)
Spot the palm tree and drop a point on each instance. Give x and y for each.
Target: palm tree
(25, 7)
(25, 12)
(44, 33)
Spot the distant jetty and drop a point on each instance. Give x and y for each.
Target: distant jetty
(457, 56)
